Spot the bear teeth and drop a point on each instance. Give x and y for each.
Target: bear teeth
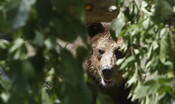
(108, 81)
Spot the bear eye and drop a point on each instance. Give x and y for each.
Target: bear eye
(118, 53)
(101, 52)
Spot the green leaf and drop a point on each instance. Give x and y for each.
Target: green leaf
(18, 43)
(39, 39)
(17, 12)
(45, 97)
(119, 3)
(143, 91)
(18, 49)
(154, 62)
(3, 26)
(146, 23)
(5, 82)
(27, 69)
(68, 28)
(127, 61)
(118, 23)
(152, 86)
(3, 44)
(165, 98)
(103, 99)
(163, 49)
(3, 49)
(134, 78)
(73, 85)
(163, 11)
(45, 13)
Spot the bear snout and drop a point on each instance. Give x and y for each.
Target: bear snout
(107, 72)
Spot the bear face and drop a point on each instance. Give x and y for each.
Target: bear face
(105, 52)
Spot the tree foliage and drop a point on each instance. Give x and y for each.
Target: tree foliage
(33, 71)
(149, 37)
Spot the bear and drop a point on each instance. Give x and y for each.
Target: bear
(101, 65)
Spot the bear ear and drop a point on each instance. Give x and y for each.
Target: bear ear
(94, 28)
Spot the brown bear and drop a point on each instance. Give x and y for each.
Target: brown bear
(101, 66)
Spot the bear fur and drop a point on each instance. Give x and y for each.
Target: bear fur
(101, 66)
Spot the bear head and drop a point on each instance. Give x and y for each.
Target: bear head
(101, 65)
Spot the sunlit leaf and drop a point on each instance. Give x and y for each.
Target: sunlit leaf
(127, 61)
(118, 23)
(45, 97)
(18, 50)
(146, 23)
(133, 79)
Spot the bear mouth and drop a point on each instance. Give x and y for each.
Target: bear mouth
(107, 82)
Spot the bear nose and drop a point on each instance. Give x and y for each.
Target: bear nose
(107, 72)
